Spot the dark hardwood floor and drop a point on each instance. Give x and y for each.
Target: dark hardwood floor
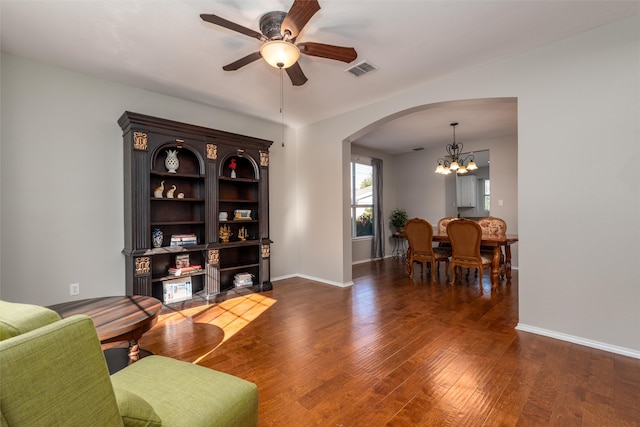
(394, 351)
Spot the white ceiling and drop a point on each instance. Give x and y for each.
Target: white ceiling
(164, 46)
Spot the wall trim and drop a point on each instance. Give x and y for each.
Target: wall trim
(286, 276)
(579, 340)
(315, 279)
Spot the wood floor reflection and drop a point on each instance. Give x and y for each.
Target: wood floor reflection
(394, 351)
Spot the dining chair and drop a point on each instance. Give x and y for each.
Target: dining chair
(442, 229)
(465, 236)
(493, 226)
(419, 234)
(443, 222)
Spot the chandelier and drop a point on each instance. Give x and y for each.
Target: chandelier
(457, 164)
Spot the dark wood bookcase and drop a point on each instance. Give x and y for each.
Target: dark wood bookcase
(203, 187)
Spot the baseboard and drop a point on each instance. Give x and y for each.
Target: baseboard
(578, 340)
(315, 279)
(370, 260)
(286, 276)
(328, 282)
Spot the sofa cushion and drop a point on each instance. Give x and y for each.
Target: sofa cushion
(56, 375)
(135, 411)
(16, 318)
(184, 394)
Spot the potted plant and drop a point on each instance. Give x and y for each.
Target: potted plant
(399, 218)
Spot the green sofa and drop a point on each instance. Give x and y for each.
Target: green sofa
(53, 373)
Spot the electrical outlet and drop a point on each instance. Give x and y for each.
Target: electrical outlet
(74, 289)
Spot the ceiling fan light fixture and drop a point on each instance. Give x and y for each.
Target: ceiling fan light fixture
(280, 53)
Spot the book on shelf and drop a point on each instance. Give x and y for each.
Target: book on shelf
(243, 279)
(182, 260)
(184, 240)
(177, 290)
(184, 270)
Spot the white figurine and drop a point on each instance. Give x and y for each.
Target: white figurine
(170, 192)
(158, 191)
(180, 195)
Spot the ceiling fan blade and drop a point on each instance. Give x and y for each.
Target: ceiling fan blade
(296, 75)
(242, 61)
(339, 53)
(214, 19)
(298, 16)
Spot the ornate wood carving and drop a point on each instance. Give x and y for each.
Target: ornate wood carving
(213, 257)
(140, 141)
(212, 151)
(143, 265)
(264, 159)
(266, 251)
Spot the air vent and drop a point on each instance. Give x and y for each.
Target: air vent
(361, 68)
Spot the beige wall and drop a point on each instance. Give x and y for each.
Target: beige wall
(61, 181)
(577, 102)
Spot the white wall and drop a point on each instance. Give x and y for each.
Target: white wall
(578, 102)
(62, 186)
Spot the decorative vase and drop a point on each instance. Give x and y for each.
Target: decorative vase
(171, 162)
(157, 238)
(233, 173)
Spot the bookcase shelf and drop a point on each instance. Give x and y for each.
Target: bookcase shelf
(202, 187)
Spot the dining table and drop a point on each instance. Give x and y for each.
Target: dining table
(495, 241)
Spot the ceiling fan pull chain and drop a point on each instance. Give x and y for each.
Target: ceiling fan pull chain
(282, 103)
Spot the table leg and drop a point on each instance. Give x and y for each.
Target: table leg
(507, 262)
(134, 351)
(495, 267)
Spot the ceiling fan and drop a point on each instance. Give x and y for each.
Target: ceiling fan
(278, 32)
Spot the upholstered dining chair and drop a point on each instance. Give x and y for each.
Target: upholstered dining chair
(443, 222)
(465, 236)
(493, 226)
(419, 234)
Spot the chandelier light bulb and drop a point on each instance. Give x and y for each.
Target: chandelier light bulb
(472, 166)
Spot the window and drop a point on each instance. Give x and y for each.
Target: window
(487, 195)
(361, 197)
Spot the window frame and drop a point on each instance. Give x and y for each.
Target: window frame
(354, 207)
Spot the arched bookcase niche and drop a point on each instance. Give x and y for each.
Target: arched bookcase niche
(246, 166)
(190, 162)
